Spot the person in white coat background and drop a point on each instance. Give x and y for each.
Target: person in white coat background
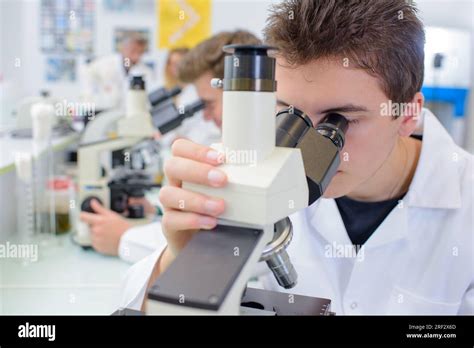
(105, 79)
(393, 233)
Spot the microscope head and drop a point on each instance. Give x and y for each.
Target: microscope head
(320, 145)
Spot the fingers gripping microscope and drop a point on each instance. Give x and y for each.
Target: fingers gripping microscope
(291, 164)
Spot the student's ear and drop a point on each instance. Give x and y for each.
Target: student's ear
(411, 115)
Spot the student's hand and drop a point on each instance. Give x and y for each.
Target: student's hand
(186, 212)
(149, 208)
(107, 227)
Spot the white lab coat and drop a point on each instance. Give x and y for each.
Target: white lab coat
(105, 82)
(418, 261)
(140, 241)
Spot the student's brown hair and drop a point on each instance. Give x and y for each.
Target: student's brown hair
(383, 37)
(170, 79)
(209, 57)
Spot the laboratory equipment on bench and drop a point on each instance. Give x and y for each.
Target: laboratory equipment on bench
(61, 192)
(34, 169)
(61, 124)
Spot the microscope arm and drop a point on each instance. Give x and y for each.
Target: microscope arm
(98, 128)
(89, 156)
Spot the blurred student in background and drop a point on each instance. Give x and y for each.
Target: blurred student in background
(175, 56)
(105, 79)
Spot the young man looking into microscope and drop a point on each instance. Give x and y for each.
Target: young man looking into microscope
(405, 202)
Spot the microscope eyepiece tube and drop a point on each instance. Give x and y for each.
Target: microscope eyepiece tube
(136, 100)
(249, 68)
(334, 126)
(249, 101)
(320, 145)
(137, 82)
(291, 126)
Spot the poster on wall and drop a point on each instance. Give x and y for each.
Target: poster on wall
(118, 5)
(183, 23)
(66, 31)
(60, 69)
(126, 6)
(67, 26)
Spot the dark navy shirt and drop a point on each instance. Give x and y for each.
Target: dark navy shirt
(361, 219)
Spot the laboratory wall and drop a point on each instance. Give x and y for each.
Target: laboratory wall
(20, 23)
(23, 63)
(455, 14)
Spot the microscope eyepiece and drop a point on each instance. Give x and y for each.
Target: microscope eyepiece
(249, 68)
(162, 95)
(333, 126)
(320, 145)
(292, 124)
(137, 82)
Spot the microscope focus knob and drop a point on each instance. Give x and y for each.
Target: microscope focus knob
(86, 204)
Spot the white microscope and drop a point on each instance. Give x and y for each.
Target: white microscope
(266, 184)
(134, 128)
(132, 131)
(61, 124)
(105, 123)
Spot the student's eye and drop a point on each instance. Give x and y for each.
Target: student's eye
(353, 121)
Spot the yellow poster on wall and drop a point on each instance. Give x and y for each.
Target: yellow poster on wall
(183, 23)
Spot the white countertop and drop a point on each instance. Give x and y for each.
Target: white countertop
(65, 280)
(9, 146)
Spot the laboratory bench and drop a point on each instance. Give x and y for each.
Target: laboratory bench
(64, 280)
(9, 146)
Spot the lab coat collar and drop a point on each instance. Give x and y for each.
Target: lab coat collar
(436, 183)
(325, 217)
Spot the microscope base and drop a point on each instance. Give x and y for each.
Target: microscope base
(265, 302)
